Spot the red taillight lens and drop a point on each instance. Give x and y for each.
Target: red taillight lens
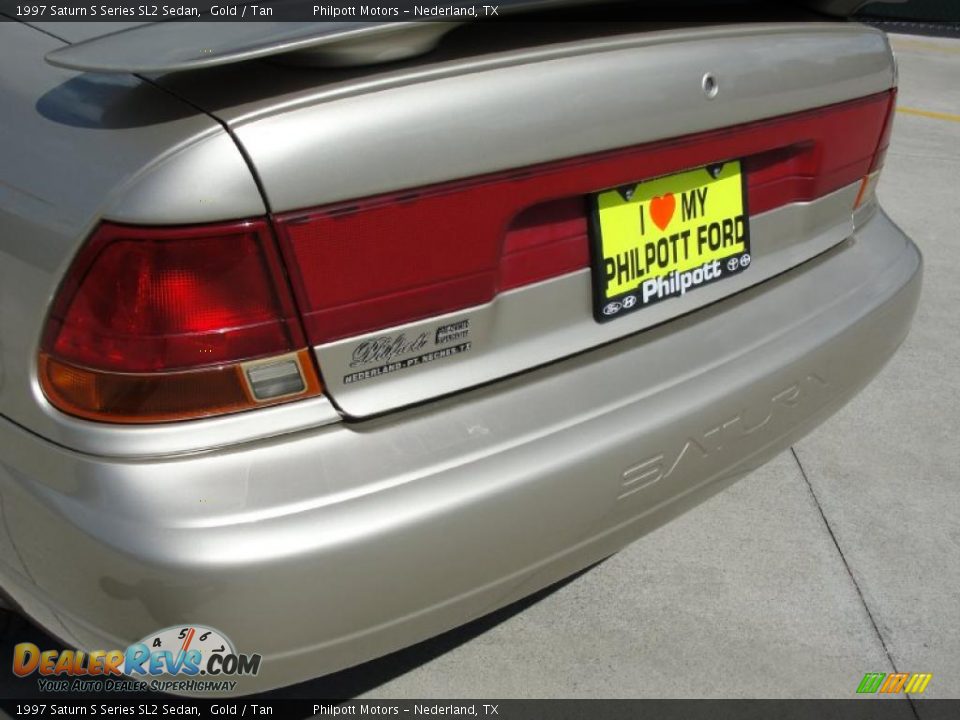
(868, 185)
(884, 143)
(154, 324)
(148, 299)
(369, 264)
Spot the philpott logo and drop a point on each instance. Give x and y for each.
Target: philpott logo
(183, 658)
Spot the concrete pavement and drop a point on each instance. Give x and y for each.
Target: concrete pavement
(886, 469)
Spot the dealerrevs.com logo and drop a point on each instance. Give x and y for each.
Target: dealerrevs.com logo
(190, 658)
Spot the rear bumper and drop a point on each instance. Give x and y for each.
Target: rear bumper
(325, 548)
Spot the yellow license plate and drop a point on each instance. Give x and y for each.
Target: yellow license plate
(663, 238)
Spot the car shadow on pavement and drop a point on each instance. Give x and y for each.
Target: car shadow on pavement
(342, 685)
(363, 678)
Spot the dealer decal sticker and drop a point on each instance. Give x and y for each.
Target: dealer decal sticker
(391, 353)
(406, 363)
(452, 332)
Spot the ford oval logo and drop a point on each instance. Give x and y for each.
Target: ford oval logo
(612, 308)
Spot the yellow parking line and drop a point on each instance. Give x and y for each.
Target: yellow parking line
(930, 114)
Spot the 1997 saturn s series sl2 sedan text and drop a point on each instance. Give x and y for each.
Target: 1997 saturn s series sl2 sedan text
(332, 359)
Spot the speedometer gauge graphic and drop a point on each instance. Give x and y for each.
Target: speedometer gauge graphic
(184, 638)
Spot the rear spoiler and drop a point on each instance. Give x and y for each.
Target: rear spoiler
(178, 46)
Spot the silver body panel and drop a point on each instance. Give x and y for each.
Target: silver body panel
(288, 545)
(453, 120)
(282, 527)
(177, 46)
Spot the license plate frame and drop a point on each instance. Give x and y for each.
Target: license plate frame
(617, 236)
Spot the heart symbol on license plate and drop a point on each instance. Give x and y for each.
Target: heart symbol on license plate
(661, 209)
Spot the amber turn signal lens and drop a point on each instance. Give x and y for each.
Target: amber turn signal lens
(163, 397)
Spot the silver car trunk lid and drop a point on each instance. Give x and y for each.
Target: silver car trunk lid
(327, 144)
